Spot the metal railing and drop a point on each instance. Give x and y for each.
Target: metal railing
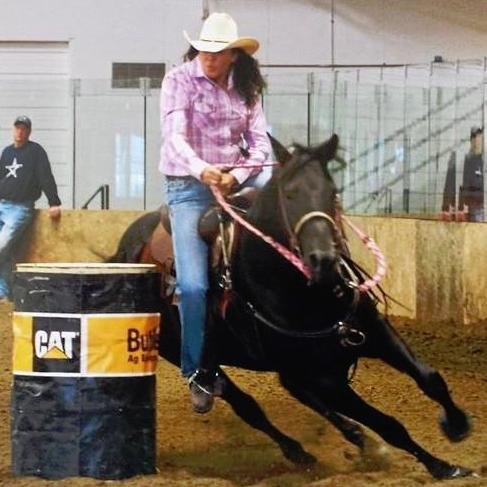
(104, 192)
(398, 125)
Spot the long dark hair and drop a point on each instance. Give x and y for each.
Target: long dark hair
(247, 78)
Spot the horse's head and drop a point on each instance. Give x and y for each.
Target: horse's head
(307, 201)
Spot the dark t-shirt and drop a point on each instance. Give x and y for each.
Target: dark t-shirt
(25, 172)
(473, 181)
(473, 172)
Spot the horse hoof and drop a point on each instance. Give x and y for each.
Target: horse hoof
(459, 472)
(444, 471)
(458, 429)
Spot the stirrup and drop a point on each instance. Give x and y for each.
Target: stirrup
(193, 379)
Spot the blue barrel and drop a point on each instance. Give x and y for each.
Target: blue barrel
(85, 353)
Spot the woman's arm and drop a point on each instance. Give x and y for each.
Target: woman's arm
(175, 104)
(258, 144)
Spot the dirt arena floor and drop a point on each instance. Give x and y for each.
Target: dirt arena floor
(219, 450)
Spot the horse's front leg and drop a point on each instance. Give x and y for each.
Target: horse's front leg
(247, 408)
(388, 346)
(339, 397)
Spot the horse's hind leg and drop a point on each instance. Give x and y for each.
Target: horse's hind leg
(247, 408)
(342, 399)
(393, 350)
(351, 431)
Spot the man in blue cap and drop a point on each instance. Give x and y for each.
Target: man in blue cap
(25, 173)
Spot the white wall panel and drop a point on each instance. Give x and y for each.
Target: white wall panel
(291, 31)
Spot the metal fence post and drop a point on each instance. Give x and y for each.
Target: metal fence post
(379, 141)
(144, 86)
(484, 81)
(427, 199)
(311, 87)
(335, 83)
(405, 148)
(75, 92)
(353, 165)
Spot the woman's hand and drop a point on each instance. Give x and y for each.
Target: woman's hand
(227, 183)
(211, 176)
(224, 181)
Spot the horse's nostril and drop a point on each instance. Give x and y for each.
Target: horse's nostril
(314, 259)
(321, 260)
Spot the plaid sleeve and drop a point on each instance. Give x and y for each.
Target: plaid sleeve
(259, 145)
(175, 104)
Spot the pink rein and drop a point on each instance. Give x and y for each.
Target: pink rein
(295, 260)
(380, 260)
(284, 251)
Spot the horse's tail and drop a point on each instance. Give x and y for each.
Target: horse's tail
(133, 240)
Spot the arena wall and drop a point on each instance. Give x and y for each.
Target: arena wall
(437, 270)
(79, 236)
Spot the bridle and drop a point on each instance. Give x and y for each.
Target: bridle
(309, 216)
(348, 336)
(293, 232)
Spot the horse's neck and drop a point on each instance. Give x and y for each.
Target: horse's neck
(267, 280)
(276, 289)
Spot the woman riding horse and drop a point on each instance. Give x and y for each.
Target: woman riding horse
(307, 319)
(209, 106)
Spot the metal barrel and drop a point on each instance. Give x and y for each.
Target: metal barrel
(84, 361)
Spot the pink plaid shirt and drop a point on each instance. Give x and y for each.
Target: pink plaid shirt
(203, 124)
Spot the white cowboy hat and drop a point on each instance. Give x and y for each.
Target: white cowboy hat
(220, 32)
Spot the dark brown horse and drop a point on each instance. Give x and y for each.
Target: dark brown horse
(311, 331)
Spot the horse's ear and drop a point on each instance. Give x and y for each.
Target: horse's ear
(281, 153)
(327, 150)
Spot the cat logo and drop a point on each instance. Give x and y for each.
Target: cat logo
(54, 344)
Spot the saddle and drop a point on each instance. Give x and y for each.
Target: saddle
(159, 249)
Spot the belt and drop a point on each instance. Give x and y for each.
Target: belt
(180, 178)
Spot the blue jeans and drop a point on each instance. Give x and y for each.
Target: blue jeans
(188, 199)
(14, 219)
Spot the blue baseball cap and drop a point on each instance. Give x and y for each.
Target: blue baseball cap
(24, 121)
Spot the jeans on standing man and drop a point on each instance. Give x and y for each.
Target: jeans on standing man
(14, 220)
